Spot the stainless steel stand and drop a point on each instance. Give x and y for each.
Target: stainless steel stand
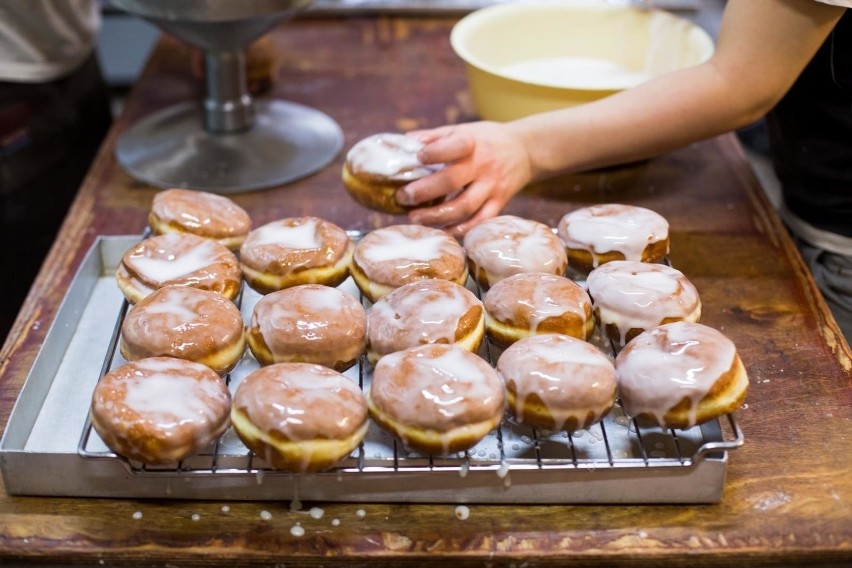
(226, 143)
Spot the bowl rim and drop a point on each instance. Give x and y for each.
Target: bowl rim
(482, 16)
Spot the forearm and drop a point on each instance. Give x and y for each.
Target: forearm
(763, 46)
(631, 125)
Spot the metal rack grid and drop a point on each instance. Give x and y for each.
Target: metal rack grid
(617, 442)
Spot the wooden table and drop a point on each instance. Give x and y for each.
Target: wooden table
(788, 498)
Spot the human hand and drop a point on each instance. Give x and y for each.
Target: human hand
(486, 163)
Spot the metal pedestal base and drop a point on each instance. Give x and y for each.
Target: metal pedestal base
(287, 141)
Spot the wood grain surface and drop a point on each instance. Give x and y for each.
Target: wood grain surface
(788, 497)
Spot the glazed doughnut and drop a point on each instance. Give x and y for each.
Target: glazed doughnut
(601, 233)
(380, 164)
(390, 257)
(160, 410)
(436, 398)
(556, 382)
(531, 303)
(310, 323)
(680, 374)
(186, 323)
(199, 213)
(299, 417)
(298, 250)
(629, 297)
(177, 259)
(507, 245)
(425, 311)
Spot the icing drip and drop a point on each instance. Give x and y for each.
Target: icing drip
(571, 377)
(311, 319)
(607, 228)
(437, 387)
(638, 295)
(425, 311)
(667, 364)
(508, 245)
(301, 401)
(534, 297)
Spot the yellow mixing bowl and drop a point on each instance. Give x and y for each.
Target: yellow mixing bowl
(528, 57)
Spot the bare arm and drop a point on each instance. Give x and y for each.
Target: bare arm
(763, 47)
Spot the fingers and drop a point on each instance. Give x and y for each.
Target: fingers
(453, 211)
(452, 147)
(444, 182)
(490, 209)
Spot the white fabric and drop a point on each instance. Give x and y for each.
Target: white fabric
(825, 240)
(43, 40)
(841, 3)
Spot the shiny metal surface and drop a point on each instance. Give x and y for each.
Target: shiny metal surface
(172, 148)
(43, 452)
(227, 144)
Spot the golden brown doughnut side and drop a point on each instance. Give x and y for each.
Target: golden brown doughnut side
(199, 213)
(186, 323)
(583, 261)
(192, 409)
(330, 409)
(435, 442)
(727, 395)
(538, 415)
(373, 191)
(295, 251)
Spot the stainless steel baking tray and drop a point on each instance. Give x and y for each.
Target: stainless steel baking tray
(49, 448)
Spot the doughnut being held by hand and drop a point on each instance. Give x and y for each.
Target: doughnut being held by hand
(160, 410)
(299, 417)
(377, 166)
(177, 259)
(199, 213)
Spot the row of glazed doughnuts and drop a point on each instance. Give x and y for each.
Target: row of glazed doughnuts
(397, 269)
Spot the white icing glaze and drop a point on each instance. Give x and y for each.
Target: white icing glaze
(395, 255)
(170, 265)
(437, 387)
(536, 295)
(178, 402)
(607, 228)
(571, 377)
(397, 246)
(302, 401)
(639, 295)
(664, 365)
(425, 311)
(389, 155)
(508, 245)
(323, 324)
(210, 213)
(301, 236)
